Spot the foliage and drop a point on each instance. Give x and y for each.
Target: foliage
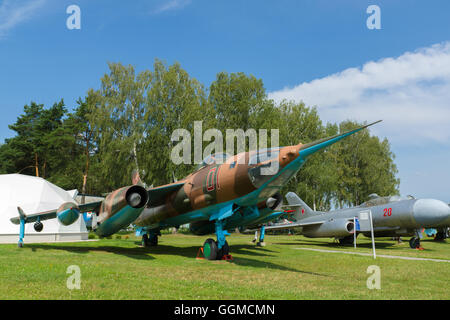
(128, 123)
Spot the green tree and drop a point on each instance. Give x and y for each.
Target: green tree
(365, 165)
(174, 101)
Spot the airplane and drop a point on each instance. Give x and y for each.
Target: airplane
(222, 194)
(392, 216)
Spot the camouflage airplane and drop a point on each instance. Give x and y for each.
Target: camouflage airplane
(222, 194)
(392, 217)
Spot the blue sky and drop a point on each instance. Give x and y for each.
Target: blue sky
(310, 50)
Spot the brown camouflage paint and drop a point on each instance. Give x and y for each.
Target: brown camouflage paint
(212, 184)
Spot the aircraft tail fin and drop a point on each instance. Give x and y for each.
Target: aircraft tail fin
(302, 210)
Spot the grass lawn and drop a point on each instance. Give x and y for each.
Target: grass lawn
(120, 269)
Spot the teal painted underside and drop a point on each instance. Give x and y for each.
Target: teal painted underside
(118, 221)
(249, 201)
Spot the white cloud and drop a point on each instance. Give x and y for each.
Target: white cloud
(12, 13)
(171, 5)
(411, 93)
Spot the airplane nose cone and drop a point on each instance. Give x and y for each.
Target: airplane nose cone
(431, 212)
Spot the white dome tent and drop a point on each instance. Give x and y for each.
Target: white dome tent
(34, 195)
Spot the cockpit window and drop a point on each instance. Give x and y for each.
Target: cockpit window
(264, 155)
(382, 200)
(218, 158)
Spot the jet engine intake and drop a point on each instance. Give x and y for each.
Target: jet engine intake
(274, 201)
(120, 208)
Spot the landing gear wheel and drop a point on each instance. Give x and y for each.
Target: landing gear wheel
(440, 236)
(414, 243)
(153, 241)
(224, 251)
(210, 250)
(347, 240)
(145, 240)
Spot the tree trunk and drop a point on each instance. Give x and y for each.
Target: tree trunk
(36, 164)
(85, 176)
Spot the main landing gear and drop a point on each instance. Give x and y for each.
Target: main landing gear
(211, 250)
(441, 235)
(260, 242)
(217, 250)
(347, 240)
(150, 239)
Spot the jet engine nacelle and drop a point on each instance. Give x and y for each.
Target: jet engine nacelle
(68, 213)
(120, 208)
(331, 228)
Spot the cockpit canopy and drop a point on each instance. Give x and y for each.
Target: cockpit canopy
(218, 158)
(376, 200)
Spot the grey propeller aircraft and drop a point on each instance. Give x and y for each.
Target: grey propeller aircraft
(392, 216)
(219, 196)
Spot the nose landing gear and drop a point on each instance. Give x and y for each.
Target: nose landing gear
(414, 242)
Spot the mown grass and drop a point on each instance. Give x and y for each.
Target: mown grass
(120, 269)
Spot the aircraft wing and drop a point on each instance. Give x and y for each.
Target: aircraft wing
(157, 195)
(292, 225)
(46, 215)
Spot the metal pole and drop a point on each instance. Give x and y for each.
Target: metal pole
(354, 232)
(371, 232)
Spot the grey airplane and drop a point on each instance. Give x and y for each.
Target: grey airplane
(392, 216)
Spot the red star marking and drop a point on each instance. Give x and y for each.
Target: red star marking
(303, 211)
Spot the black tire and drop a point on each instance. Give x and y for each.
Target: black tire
(224, 251)
(347, 240)
(210, 250)
(440, 236)
(145, 240)
(38, 226)
(153, 241)
(414, 243)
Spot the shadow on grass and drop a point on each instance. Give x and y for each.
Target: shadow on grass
(151, 253)
(134, 253)
(249, 250)
(378, 244)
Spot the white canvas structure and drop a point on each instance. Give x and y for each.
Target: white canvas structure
(35, 195)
